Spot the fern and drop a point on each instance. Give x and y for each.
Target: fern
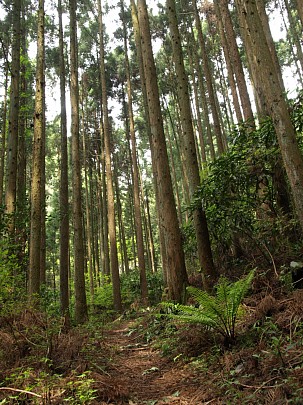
(219, 312)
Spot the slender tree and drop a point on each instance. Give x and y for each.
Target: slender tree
(64, 203)
(3, 137)
(209, 82)
(262, 62)
(136, 185)
(12, 144)
(109, 176)
(177, 276)
(79, 284)
(37, 161)
(189, 147)
(236, 60)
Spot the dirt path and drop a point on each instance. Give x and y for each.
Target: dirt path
(138, 374)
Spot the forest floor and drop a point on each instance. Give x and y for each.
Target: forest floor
(142, 358)
(145, 376)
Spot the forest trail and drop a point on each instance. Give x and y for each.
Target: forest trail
(140, 374)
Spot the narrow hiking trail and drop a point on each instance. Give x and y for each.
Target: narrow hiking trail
(140, 375)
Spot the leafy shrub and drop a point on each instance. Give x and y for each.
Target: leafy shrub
(11, 281)
(218, 312)
(130, 287)
(104, 295)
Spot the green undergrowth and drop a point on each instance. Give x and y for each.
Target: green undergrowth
(265, 362)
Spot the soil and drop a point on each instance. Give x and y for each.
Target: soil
(140, 373)
(149, 360)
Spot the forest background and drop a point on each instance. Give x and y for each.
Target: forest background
(164, 169)
(151, 165)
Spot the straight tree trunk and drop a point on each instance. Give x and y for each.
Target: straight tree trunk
(136, 185)
(81, 314)
(104, 207)
(137, 37)
(150, 237)
(256, 43)
(64, 203)
(236, 61)
(88, 207)
(36, 183)
(109, 176)
(12, 143)
(299, 7)
(204, 103)
(21, 232)
(270, 42)
(294, 33)
(230, 72)
(43, 208)
(209, 83)
(177, 276)
(101, 220)
(3, 137)
(120, 219)
(188, 143)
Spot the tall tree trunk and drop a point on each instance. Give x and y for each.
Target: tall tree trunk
(120, 218)
(209, 83)
(21, 199)
(36, 184)
(189, 147)
(64, 203)
(270, 42)
(299, 7)
(177, 276)
(136, 185)
(137, 37)
(12, 143)
(150, 237)
(236, 61)
(81, 314)
(204, 103)
(256, 43)
(101, 219)
(294, 33)
(106, 267)
(88, 207)
(109, 176)
(43, 208)
(229, 66)
(3, 137)
(198, 112)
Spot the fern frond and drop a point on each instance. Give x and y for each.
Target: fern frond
(219, 312)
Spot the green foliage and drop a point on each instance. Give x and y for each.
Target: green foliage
(11, 281)
(218, 312)
(130, 287)
(238, 184)
(81, 389)
(104, 295)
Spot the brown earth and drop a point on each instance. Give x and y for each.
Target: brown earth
(124, 363)
(140, 374)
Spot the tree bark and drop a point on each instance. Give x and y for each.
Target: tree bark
(177, 276)
(257, 45)
(12, 143)
(81, 314)
(209, 83)
(109, 176)
(236, 61)
(136, 185)
(64, 203)
(137, 37)
(3, 137)
(36, 183)
(188, 144)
